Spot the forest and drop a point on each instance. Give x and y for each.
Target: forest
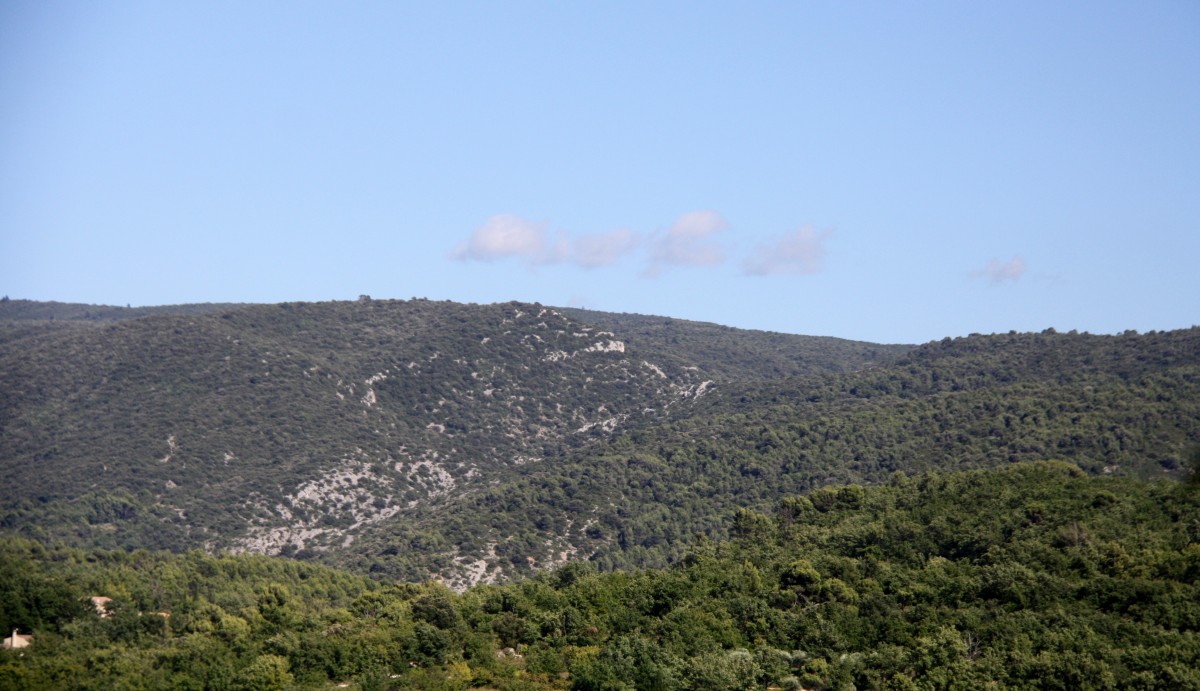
(1035, 575)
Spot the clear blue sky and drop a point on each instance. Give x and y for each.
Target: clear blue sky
(894, 172)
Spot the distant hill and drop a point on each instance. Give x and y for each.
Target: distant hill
(28, 310)
(471, 442)
(296, 427)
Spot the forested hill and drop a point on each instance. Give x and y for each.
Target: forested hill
(298, 427)
(412, 439)
(1113, 405)
(33, 310)
(1032, 576)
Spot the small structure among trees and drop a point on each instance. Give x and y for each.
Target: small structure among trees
(17, 640)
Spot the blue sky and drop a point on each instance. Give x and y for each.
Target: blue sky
(893, 172)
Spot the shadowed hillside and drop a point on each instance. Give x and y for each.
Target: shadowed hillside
(295, 428)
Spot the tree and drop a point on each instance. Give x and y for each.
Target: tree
(266, 673)
(1193, 466)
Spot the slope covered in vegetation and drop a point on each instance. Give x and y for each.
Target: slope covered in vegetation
(1114, 405)
(280, 425)
(32, 310)
(731, 355)
(1033, 576)
(301, 428)
(411, 439)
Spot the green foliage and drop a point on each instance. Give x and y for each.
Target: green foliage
(410, 439)
(435, 608)
(1123, 405)
(136, 389)
(33, 599)
(1032, 576)
(265, 673)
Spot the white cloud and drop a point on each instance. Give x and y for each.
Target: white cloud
(801, 252)
(688, 242)
(998, 272)
(506, 236)
(603, 249)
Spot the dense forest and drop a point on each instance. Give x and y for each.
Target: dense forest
(1037, 575)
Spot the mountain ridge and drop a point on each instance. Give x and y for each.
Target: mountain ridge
(474, 442)
(287, 427)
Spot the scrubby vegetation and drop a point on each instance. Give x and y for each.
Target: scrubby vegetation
(730, 354)
(412, 439)
(1033, 576)
(638, 502)
(1114, 405)
(287, 428)
(32, 310)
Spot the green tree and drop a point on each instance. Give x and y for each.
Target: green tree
(265, 673)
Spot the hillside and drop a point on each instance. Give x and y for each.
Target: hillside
(33, 310)
(411, 439)
(295, 428)
(1114, 405)
(1032, 576)
(738, 354)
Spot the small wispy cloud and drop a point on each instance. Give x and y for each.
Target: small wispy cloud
(603, 249)
(801, 252)
(688, 242)
(998, 272)
(691, 241)
(506, 236)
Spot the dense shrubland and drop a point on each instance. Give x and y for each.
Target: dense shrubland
(441, 438)
(730, 354)
(1114, 405)
(212, 426)
(203, 424)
